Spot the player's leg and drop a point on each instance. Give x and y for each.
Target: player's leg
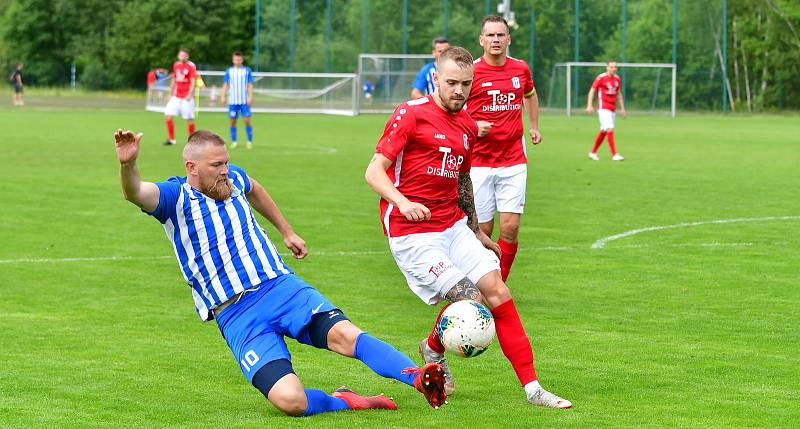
(246, 115)
(514, 341)
(600, 135)
(510, 190)
(483, 270)
(170, 111)
(483, 186)
(312, 319)
(253, 328)
(187, 111)
(423, 260)
(615, 156)
(233, 114)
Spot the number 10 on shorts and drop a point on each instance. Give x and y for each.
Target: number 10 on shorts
(250, 358)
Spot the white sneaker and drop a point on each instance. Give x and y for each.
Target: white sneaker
(234, 144)
(249, 145)
(617, 157)
(593, 156)
(544, 398)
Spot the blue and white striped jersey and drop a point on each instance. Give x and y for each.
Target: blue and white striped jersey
(237, 79)
(424, 80)
(220, 248)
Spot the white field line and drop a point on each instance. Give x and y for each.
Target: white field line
(379, 252)
(601, 243)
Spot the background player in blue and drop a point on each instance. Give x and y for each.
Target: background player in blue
(238, 89)
(423, 83)
(237, 277)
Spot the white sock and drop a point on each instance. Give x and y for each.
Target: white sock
(532, 387)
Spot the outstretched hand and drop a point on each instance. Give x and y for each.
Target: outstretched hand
(127, 144)
(296, 244)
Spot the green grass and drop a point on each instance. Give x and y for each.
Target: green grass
(685, 327)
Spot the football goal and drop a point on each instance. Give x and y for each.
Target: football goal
(646, 87)
(327, 93)
(386, 79)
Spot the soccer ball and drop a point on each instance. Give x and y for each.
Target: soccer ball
(466, 328)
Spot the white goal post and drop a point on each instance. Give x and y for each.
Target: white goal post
(569, 71)
(327, 93)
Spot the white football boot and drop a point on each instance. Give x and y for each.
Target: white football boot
(538, 396)
(593, 156)
(617, 157)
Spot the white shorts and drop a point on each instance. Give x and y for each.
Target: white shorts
(499, 189)
(433, 262)
(180, 105)
(607, 118)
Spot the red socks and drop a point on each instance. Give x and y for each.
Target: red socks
(191, 128)
(170, 128)
(433, 339)
(514, 342)
(611, 142)
(598, 141)
(509, 252)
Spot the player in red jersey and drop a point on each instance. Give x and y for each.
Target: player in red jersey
(607, 84)
(421, 170)
(184, 74)
(503, 86)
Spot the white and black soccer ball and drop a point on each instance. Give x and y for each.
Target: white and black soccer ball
(466, 328)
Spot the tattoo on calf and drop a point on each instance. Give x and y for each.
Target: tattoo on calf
(462, 290)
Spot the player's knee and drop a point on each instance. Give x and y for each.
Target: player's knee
(342, 338)
(509, 231)
(496, 293)
(293, 403)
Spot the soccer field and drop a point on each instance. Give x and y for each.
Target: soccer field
(659, 291)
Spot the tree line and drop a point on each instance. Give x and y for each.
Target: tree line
(113, 43)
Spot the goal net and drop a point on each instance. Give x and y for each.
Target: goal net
(386, 79)
(328, 93)
(646, 87)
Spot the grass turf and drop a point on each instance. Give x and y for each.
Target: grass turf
(688, 327)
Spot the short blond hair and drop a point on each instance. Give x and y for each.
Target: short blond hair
(457, 54)
(198, 141)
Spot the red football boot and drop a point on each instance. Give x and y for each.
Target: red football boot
(358, 402)
(431, 383)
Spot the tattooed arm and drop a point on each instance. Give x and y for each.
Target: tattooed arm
(466, 201)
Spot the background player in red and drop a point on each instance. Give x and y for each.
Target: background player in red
(421, 170)
(608, 85)
(184, 74)
(503, 87)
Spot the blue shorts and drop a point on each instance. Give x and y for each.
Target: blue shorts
(234, 109)
(255, 326)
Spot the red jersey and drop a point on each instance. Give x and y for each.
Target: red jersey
(496, 97)
(607, 87)
(429, 147)
(183, 73)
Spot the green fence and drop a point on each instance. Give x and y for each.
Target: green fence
(720, 57)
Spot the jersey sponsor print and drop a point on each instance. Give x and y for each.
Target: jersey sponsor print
(497, 96)
(607, 88)
(430, 147)
(183, 73)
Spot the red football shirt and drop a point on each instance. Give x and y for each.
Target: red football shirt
(429, 147)
(183, 73)
(496, 97)
(607, 87)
